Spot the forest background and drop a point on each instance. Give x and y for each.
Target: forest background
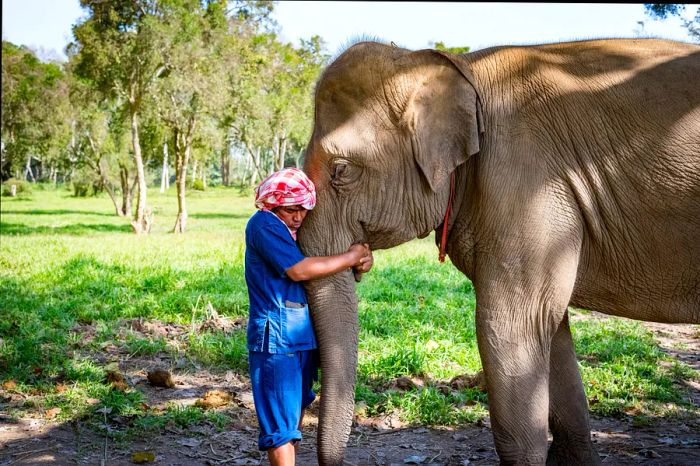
(198, 93)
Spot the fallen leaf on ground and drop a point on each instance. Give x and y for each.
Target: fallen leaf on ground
(161, 378)
(633, 411)
(9, 385)
(117, 380)
(143, 457)
(51, 413)
(463, 381)
(213, 399)
(407, 383)
(360, 408)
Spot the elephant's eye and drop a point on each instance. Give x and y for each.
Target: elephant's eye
(344, 174)
(339, 170)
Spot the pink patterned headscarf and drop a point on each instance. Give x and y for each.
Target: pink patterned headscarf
(289, 186)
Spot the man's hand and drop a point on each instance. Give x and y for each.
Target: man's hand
(364, 264)
(366, 261)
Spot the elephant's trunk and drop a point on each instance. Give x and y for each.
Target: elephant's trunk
(333, 304)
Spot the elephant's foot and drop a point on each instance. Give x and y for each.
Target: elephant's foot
(570, 453)
(520, 460)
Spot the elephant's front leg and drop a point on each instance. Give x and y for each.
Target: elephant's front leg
(521, 302)
(514, 351)
(568, 408)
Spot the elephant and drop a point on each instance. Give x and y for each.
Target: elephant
(563, 174)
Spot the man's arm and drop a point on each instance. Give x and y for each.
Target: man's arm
(311, 268)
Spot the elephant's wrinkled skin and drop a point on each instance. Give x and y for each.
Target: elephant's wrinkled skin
(577, 183)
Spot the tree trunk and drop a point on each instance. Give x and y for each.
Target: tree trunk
(107, 186)
(110, 191)
(276, 154)
(225, 167)
(255, 158)
(283, 152)
(279, 151)
(165, 174)
(143, 219)
(126, 191)
(28, 169)
(97, 166)
(204, 175)
(182, 152)
(183, 147)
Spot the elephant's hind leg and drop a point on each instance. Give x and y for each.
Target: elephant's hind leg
(568, 409)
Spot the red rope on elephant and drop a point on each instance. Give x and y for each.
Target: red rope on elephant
(443, 241)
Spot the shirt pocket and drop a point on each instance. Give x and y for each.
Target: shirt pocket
(296, 326)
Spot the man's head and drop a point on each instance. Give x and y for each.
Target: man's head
(289, 194)
(292, 215)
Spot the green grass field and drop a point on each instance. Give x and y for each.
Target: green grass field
(68, 264)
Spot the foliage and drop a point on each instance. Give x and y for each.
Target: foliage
(34, 108)
(663, 10)
(84, 184)
(443, 47)
(215, 71)
(660, 11)
(23, 188)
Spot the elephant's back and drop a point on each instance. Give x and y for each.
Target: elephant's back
(586, 65)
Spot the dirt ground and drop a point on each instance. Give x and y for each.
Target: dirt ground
(377, 441)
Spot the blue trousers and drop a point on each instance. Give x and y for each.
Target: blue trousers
(282, 388)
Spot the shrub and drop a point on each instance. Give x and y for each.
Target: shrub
(23, 188)
(197, 185)
(84, 185)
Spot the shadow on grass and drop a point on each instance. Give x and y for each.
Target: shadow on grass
(43, 347)
(75, 229)
(58, 212)
(38, 313)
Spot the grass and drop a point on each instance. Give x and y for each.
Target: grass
(73, 276)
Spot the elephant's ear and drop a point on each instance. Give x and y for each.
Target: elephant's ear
(442, 114)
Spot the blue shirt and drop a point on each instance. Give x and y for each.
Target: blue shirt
(277, 303)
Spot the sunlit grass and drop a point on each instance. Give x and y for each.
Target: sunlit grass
(72, 277)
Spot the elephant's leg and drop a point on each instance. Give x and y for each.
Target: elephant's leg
(521, 302)
(515, 354)
(568, 409)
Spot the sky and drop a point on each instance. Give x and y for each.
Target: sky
(45, 25)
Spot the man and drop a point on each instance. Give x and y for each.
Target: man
(281, 340)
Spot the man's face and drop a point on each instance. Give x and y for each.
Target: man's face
(292, 216)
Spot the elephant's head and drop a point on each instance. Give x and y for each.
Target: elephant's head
(390, 127)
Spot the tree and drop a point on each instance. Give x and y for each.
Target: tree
(119, 48)
(290, 94)
(192, 84)
(35, 106)
(444, 48)
(661, 11)
(98, 129)
(272, 101)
